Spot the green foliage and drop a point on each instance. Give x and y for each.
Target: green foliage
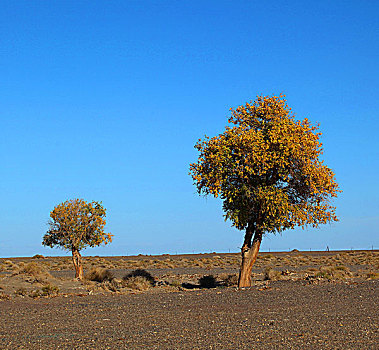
(265, 167)
(76, 224)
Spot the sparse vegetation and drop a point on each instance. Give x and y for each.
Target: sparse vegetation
(137, 282)
(21, 291)
(50, 290)
(229, 280)
(372, 275)
(99, 275)
(26, 276)
(334, 272)
(37, 271)
(4, 296)
(36, 293)
(272, 275)
(38, 256)
(139, 279)
(175, 283)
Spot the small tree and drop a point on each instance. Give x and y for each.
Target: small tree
(74, 225)
(265, 167)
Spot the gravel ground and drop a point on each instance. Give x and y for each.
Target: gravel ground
(281, 315)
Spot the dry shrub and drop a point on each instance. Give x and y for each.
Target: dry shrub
(139, 279)
(50, 290)
(207, 281)
(35, 294)
(9, 265)
(311, 269)
(114, 285)
(64, 266)
(272, 275)
(4, 296)
(372, 275)
(137, 282)
(334, 272)
(38, 256)
(35, 270)
(229, 280)
(230, 261)
(175, 283)
(21, 291)
(99, 275)
(198, 263)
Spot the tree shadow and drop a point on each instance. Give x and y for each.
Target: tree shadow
(206, 282)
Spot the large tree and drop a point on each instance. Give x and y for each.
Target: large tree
(266, 168)
(74, 225)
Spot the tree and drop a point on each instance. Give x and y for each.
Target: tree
(265, 167)
(74, 225)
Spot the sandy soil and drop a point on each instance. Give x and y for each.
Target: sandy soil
(298, 301)
(284, 315)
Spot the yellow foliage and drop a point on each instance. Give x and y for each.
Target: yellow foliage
(265, 166)
(75, 224)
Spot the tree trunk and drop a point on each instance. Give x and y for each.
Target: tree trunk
(77, 260)
(249, 253)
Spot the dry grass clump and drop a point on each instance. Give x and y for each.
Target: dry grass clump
(339, 272)
(50, 290)
(8, 265)
(372, 275)
(175, 283)
(137, 282)
(198, 263)
(35, 270)
(21, 292)
(229, 280)
(115, 285)
(139, 279)
(38, 256)
(98, 274)
(35, 294)
(272, 275)
(62, 265)
(298, 260)
(167, 263)
(4, 296)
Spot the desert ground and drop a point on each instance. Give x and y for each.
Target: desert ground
(299, 300)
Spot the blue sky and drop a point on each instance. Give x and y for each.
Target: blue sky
(105, 101)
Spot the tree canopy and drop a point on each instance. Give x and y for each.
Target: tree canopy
(266, 169)
(76, 224)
